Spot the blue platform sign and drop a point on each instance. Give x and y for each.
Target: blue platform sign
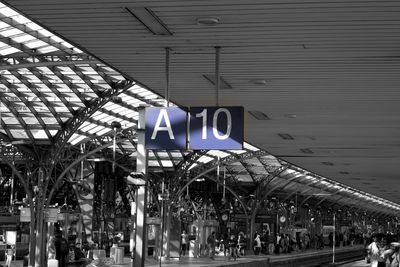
(166, 128)
(216, 128)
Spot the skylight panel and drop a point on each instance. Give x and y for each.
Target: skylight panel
(167, 163)
(11, 32)
(23, 38)
(111, 105)
(237, 152)
(109, 119)
(218, 153)
(137, 89)
(39, 134)
(118, 109)
(132, 101)
(250, 147)
(53, 132)
(99, 115)
(46, 33)
(7, 11)
(153, 163)
(49, 120)
(85, 123)
(61, 109)
(75, 139)
(21, 19)
(129, 113)
(205, 159)
(88, 127)
(104, 131)
(18, 134)
(96, 129)
(36, 44)
(47, 49)
(244, 178)
(10, 120)
(8, 51)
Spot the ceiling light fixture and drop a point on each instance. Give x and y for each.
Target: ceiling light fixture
(259, 82)
(149, 20)
(306, 151)
(207, 21)
(286, 136)
(212, 79)
(259, 115)
(291, 116)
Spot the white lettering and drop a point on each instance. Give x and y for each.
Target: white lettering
(204, 127)
(163, 115)
(228, 121)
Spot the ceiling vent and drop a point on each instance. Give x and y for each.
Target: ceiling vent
(149, 20)
(327, 163)
(222, 83)
(306, 151)
(259, 115)
(286, 136)
(207, 21)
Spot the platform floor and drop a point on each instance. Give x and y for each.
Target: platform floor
(220, 260)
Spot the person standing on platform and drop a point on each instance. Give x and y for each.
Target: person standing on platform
(271, 243)
(395, 257)
(232, 243)
(9, 255)
(51, 249)
(373, 251)
(257, 244)
(184, 242)
(241, 244)
(62, 249)
(211, 245)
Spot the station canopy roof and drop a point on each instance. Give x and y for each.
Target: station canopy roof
(47, 83)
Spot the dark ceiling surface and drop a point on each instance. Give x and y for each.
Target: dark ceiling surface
(325, 73)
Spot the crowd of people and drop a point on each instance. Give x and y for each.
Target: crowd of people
(234, 246)
(70, 253)
(383, 251)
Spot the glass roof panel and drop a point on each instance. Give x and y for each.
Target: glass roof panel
(47, 49)
(96, 129)
(98, 115)
(104, 131)
(8, 50)
(166, 163)
(21, 38)
(75, 139)
(153, 163)
(218, 153)
(39, 134)
(18, 134)
(250, 147)
(10, 32)
(88, 127)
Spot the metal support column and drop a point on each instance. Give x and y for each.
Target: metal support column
(141, 195)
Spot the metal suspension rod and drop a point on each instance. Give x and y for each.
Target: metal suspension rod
(217, 74)
(167, 62)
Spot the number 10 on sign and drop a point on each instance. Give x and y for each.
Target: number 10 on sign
(216, 128)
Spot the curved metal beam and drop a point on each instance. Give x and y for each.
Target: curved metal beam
(203, 174)
(77, 161)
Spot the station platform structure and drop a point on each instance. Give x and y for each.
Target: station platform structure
(306, 258)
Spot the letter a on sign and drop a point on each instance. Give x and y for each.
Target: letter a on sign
(165, 128)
